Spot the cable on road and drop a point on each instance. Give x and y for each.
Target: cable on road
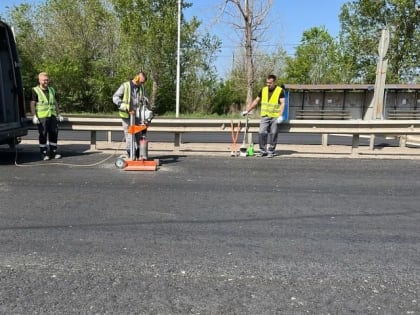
(67, 164)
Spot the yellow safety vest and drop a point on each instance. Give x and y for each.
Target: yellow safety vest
(126, 99)
(270, 107)
(45, 107)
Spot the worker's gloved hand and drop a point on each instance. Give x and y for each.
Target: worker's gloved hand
(60, 118)
(35, 120)
(279, 120)
(244, 113)
(123, 107)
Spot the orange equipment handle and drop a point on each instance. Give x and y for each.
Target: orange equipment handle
(133, 129)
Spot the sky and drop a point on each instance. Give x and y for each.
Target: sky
(289, 18)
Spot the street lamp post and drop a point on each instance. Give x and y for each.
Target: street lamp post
(178, 60)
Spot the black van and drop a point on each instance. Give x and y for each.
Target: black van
(13, 122)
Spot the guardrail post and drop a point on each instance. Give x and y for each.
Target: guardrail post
(403, 141)
(177, 140)
(109, 137)
(324, 139)
(355, 141)
(372, 142)
(93, 140)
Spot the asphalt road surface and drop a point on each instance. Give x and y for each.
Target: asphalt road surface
(209, 235)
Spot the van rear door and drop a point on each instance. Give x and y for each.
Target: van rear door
(13, 123)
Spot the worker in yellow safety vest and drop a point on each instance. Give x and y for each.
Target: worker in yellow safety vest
(45, 114)
(131, 97)
(272, 106)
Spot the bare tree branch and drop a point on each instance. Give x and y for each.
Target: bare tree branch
(249, 17)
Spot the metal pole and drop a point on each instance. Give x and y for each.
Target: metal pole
(178, 61)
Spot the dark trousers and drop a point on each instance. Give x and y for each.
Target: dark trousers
(48, 130)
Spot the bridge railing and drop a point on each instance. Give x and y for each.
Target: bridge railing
(177, 127)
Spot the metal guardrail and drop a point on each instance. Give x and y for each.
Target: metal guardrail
(355, 128)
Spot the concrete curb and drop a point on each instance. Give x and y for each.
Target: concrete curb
(224, 149)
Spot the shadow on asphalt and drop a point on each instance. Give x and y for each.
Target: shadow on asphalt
(286, 152)
(168, 159)
(24, 153)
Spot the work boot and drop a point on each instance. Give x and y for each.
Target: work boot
(44, 155)
(261, 153)
(55, 155)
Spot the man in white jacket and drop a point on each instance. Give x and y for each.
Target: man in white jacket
(130, 98)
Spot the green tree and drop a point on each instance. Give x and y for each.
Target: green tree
(361, 24)
(75, 44)
(29, 42)
(199, 78)
(90, 46)
(317, 59)
(226, 100)
(80, 41)
(149, 41)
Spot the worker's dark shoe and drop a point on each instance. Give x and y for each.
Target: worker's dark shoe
(45, 157)
(55, 155)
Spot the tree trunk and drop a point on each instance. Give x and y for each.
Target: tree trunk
(249, 54)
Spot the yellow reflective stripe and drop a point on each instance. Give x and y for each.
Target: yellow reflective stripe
(274, 108)
(42, 107)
